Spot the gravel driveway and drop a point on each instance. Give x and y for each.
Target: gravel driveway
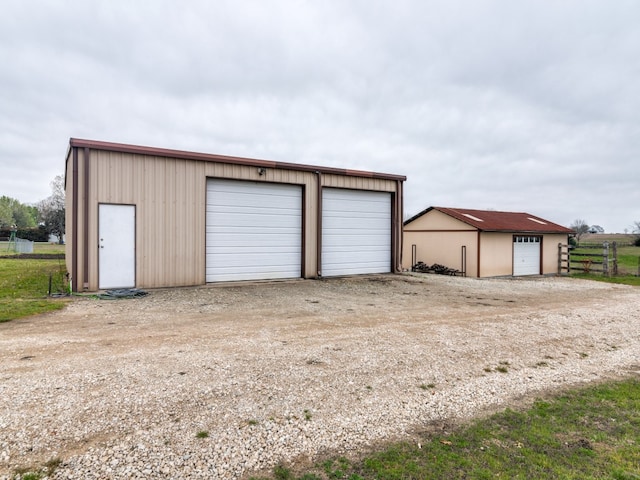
(289, 371)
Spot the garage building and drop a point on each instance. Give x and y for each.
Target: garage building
(150, 217)
(483, 243)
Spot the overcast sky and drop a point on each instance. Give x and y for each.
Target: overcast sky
(527, 105)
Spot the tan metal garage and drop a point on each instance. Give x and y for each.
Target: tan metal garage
(152, 217)
(483, 243)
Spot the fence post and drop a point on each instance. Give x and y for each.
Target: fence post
(615, 258)
(560, 259)
(605, 258)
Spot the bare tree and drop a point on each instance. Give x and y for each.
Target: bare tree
(51, 209)
(580, 226)
(635, 228)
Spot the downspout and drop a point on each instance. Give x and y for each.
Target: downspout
(74, 223)
(85, 212)
(400, 249)
(478, 262)
(319, 225)
(394, 231)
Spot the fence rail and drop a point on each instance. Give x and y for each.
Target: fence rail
(605, 262)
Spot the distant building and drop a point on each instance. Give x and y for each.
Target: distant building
(483, 243)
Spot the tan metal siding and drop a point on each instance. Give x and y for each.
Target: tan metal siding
(358, 183)
(170, 199)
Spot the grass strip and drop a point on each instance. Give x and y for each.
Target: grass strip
(24, 285)
(585, 433)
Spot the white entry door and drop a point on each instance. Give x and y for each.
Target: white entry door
(117, 246)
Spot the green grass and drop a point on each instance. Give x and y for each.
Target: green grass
(620, 279)
(581, 434)
(24, 285)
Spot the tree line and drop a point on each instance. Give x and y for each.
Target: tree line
(35, 222)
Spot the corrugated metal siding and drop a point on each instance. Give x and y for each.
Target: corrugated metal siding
(358, 183)
(170, 199)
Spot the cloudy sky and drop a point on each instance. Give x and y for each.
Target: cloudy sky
(527, 105)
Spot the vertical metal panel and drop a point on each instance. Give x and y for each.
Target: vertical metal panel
(169, 195)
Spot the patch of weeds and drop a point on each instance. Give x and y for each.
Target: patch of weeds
(34, 473)
(282, 473)
(202, 434)
(369, 387)
(31, 476)
(427, 386)
(503, 367)
(336, 469)
(542, 364)
(52, 465)
(488, 369)
(252, 422)
(307, 415)
(583, 355)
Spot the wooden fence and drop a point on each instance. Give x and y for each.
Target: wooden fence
(603, 259)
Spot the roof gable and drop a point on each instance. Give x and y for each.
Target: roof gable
(494, 221)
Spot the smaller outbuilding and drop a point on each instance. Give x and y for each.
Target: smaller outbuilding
(483, 243)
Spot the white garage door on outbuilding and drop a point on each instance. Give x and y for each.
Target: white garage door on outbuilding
(526, 255)
(253, 230)
(356, 232)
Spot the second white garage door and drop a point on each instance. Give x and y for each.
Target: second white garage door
(526, 255)
(356, 232)
(254, 231)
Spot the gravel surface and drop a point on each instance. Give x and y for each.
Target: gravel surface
(291, 371)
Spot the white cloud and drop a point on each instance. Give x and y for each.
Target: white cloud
(482, 104)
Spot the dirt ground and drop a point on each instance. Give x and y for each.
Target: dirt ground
(276, 371)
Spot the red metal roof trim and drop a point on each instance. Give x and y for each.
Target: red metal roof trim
(208, 157)
(494, 221)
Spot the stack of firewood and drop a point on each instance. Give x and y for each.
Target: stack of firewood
(435, 268)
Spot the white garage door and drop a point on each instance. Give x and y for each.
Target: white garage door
(356, 232)
(254, 230)
(526, 255)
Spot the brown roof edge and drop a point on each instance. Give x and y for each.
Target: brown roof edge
(499, 221)
(208, 157)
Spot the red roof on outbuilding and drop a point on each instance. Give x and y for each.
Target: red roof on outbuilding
(493, 221)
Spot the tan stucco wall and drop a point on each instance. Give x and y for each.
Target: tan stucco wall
(438, 238)
(444, 248)
(550, 243)
(496, 254)
(170, 199)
